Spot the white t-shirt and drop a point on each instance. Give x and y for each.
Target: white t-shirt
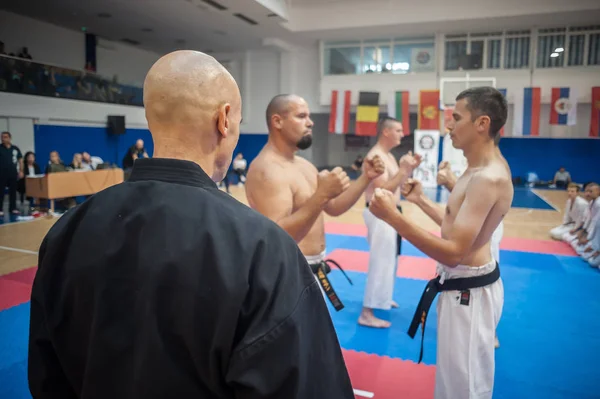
(239, 164)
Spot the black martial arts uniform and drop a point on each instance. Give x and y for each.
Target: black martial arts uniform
(165, 287)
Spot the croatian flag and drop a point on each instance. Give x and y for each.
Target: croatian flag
(563, 106)
(526, 120)
(339, 116)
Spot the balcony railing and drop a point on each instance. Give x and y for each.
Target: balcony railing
(28, 77)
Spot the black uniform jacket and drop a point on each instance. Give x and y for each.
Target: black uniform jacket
(165, 287)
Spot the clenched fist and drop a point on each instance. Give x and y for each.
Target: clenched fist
(410, 162)
(412, 190)
(374, 167)
(445, 175)
(383, 204)
(331, 184)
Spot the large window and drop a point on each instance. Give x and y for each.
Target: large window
(379, 56)
(561, 47)
(486, 51)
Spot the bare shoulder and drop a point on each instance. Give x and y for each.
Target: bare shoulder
(375, 151)
(493, 180)
(265, 170)
(305, 164)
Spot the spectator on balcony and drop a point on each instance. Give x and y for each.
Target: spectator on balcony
(25, 54)
(136, 151)
(11, 169)
(2, 52)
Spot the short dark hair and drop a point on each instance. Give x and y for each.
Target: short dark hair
(573, 185)
(278, 105)
(487, 101)
(384, 123)
(9, 135)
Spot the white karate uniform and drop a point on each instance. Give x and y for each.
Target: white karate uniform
(466, 336)
(572, 238)
(383, 262)
(595, 262)
(589, 226)
(573, 216)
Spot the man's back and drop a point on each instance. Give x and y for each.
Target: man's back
(164, 286)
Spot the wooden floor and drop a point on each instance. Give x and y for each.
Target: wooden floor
(19, 242)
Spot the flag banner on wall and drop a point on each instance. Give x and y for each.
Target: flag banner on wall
(595, 119)
(339, 115)
(398, 108)
(526, 115)
(429, 114)
(503, 91)
(563, 106)
(367, 113)
(448, 111)
(427, 144)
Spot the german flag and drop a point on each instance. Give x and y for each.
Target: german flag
(429, 113)
(367, 113)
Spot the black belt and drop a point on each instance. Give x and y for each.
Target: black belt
(434, 287)
(399, 237)
(321, 270)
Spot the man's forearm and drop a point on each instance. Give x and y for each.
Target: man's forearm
(348, 198)
(396, 181)
(433, 210)
(299, 223)
(443, 251)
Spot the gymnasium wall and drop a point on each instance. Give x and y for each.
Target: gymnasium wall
(52, 44)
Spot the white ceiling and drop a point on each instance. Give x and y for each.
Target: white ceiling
(194, 24)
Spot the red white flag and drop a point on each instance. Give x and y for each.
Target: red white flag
(339, 116)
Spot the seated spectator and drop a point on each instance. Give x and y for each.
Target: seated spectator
(25, 54)
(580, 239)
(357, 165)
(136, 151)
(574, 234)
(239, 167)
(2, 52)
(573, 213)
(76, 164)
(562, 178)
(55, 164)
(90, 162)
(31, 168)
(593, 257)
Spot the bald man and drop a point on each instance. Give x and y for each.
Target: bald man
(166, 287)
(289, 189)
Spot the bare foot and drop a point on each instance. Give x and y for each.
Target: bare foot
(368, 319)
(394, 304)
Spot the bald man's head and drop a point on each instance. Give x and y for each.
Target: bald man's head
(288, 117)
(193, 106)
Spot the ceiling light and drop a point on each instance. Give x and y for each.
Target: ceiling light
(554, 55)
(559, 50)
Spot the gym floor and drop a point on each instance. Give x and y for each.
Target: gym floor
(548, 332)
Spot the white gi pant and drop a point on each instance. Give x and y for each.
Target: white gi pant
(466, 336)
(313, 260)
(559, 232)
(383, 262)
(594, 262)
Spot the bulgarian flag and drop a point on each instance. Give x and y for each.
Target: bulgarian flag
(367, 113)
(398, 109)
(429, 113)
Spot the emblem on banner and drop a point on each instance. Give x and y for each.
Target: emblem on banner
(430, 112)
(597, 105)
(426, 142)
(562, 106)
(423, 57)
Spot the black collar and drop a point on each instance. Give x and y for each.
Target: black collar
(171, 171)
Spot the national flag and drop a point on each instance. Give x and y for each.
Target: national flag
(503, 91)
(398, 108)
(595, 119)
(526, 118)
(563, 106)
(339, 116)
(367, 113)
(429, 114)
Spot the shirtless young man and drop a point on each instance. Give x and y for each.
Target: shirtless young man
(289, 189)
(384, 242)
(469, 308)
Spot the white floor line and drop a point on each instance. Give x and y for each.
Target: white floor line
(545, 200)
(364, 394)
(25, 251)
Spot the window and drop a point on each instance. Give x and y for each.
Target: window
(342, 61)
(551, 51)
(494, 53)
(594, 49)
(576, 50)
(516, 52)
(414, 57)
(376, 59)
(455, 52)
